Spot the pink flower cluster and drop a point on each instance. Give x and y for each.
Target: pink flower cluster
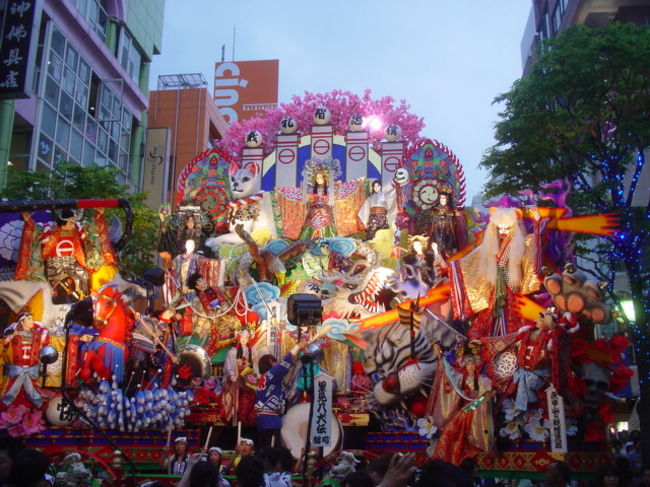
(21, 421)
(341, 104)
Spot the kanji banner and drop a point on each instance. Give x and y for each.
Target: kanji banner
(321, 421)
(18, 51)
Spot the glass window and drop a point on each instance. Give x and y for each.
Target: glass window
(124, 159)
(79, 118)
(112, 151)
(71, 58)
(68, 81)
(101, 159)
(124, 140)
(91, 130)
(134, 64)
(76, 143)
(81, 95)
(65, 107)
(115, 130)
(58, 42)
(84, 71)
(62, 132)
(45, 148)
(52, 91)
(48, 120)
(89, 154)
(55, 66)
(102, 141)
(42, 167)
(126, 120)
(59, 154)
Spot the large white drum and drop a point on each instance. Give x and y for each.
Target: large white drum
(294, 430)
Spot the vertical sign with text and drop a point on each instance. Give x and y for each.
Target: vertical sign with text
(555, 404)
(245, 89)
(321, 421)
(18, 48)
(156, 162)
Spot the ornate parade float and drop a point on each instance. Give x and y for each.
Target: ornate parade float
(451, 331)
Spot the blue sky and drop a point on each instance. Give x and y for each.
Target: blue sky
(448, 59)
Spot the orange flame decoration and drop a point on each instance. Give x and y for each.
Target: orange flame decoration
(376, 322)
(527, 308)
(606, 224)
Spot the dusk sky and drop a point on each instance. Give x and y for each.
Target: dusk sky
(448, 59)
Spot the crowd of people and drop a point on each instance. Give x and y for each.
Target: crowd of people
(275, 467)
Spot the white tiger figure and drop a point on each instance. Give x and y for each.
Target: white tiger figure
(388, 358)
(249, 207)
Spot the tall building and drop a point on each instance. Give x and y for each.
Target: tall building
(90, 86)
(548, 17)
(183, 103)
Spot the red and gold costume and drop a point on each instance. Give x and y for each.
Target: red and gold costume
(21, 366)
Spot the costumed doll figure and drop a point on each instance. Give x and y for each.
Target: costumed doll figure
(320, 196)
(470, 430)
(447, 225)
(21, 345)
(374, 211)
(60, 253)
(239, 380)
(485, 283)
(190, 229)
(422, 258)
(209, 300)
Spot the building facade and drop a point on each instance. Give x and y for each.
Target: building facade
(548, 17)
(183, 104)
(89, 101)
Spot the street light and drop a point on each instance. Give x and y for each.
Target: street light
(628, 309)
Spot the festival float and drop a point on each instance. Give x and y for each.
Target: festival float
(423, 325)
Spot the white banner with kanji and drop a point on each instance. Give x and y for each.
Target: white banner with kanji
(557, 420)
(321, 421)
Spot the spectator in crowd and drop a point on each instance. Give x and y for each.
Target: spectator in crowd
(29, 468)
(278, 464)
(250, 472)
(438, 473)
(9, 448)
(214, 458)
(357, 479)
(377, 467)
(645, 477)
(609, 476)
(558, 474)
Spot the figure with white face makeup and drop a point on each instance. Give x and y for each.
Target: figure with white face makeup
(487, 281)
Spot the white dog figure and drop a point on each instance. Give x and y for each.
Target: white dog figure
(345, 466)
(249, 208)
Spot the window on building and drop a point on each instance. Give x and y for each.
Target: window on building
(129, 56)
(83, 119)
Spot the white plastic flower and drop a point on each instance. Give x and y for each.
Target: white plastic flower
(426, 428)
(508, 407)
(571, 430)
(536, 431)
(511, 430)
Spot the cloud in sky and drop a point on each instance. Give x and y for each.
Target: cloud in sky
(448, 59)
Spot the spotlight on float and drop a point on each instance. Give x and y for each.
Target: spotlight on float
(373, 122)
(304, 310)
